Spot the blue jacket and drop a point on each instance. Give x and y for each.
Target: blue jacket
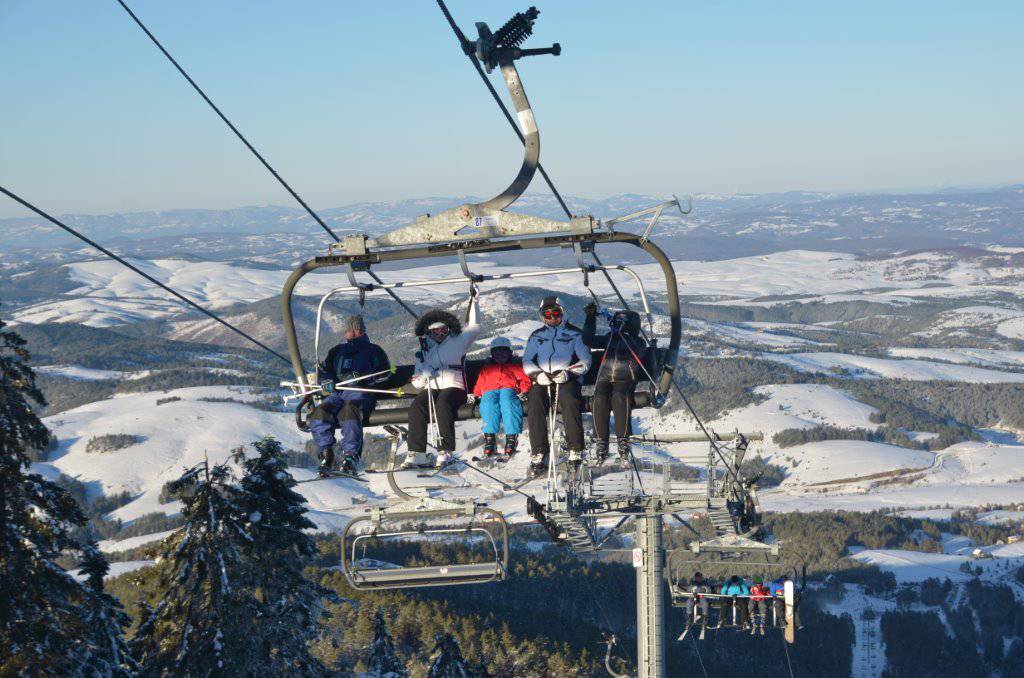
(351, 359)
(738, 589)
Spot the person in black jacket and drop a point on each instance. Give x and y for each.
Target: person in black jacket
(347, 409)
(621, 367)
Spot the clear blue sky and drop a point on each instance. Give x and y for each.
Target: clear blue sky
(374, 101)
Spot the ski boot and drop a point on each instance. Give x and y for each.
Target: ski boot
(349, 465)
(601, 451)
(490, 445)
(416, 460)
(625, 452)
(511, 443)
(761, 631)
(538, 464)
(444, 458)
(326, 456)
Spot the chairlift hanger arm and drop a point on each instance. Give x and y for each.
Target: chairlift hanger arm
(499, 49)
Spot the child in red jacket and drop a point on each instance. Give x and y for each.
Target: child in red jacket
(759, 597)
(498, 386)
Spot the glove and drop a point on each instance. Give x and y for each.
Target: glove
(590, 309)
(327, 386)
(419, 381)
(560, 377)
(522, 397)
(543, 379)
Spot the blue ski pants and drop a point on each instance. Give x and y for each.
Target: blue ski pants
(347, 414)
(502, 407)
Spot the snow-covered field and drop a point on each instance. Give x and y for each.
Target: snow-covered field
(110, 295)
(915, 370)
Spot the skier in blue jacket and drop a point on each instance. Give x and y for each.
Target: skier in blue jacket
(344, 408)
(734, 586)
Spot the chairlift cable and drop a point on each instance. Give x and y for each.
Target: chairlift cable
(280, 179)
(226, 121)
(704, 430)
(789, 664)
(701, 660)
(145, 275)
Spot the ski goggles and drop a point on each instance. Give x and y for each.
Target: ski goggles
(552, 313)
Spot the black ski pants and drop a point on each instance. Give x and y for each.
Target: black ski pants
(725, 611)
(447, 402)
(612, 397)
(538, 408)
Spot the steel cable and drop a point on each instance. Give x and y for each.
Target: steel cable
(145, 275)
(280, 179)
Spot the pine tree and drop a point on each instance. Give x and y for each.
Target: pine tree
(290, 605)
(205, 621)
(104, 622)
(383, 662)
(44, 611)
(448, 661)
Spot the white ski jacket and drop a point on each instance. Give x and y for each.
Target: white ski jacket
(556, 349)
(442, 363)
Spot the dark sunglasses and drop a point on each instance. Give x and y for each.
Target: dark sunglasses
(440, 330)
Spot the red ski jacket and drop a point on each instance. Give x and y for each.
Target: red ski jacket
(760, 592)
(494, 376)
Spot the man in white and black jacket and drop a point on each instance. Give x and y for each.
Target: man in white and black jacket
(555, 354)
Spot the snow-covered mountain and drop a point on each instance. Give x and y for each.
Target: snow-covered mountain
(720, 226)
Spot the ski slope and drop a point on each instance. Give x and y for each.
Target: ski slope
(176, 436)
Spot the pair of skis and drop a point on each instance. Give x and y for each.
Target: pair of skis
(332, 475)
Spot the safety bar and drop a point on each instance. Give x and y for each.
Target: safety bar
(475, 278)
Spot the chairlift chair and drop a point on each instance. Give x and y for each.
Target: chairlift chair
(731, 562)
(390, 524)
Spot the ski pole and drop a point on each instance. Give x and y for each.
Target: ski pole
(398, 392)
(390, 370)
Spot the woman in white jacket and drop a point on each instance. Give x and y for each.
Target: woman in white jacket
(440, 373)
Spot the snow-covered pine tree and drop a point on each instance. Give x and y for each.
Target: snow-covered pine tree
(383, 662)
(289, 604)
(104, 622)
(205, 621)
(448, 661)
(42, 607)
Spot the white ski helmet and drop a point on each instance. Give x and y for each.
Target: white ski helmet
(500, 342)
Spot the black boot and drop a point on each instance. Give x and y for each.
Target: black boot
(326, 455)
(511, 443)
(490, 444)
(348, 465)
(601, 451)
(625, 451)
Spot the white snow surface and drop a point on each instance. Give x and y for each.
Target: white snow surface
(177, 435)
(916, 566)
(983, 357)
(90, 374)
(118, 545)
(914, 370)
(118, 568)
